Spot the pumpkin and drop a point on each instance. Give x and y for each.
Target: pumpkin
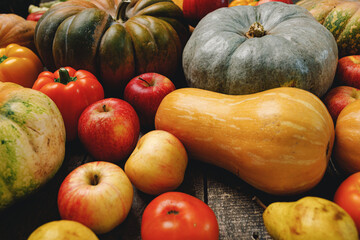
(243, 2)
(342, 18)
(15, 29)
(346, 148)
(255, 48)
(32, 145)
(278, 141)
(115, 40)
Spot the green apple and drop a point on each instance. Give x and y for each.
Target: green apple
(158, 163)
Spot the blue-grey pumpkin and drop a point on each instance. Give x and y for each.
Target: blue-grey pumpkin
(248, 49)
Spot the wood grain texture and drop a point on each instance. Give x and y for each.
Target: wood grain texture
(238, 214)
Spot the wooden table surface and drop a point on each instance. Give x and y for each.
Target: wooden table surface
(234, 202)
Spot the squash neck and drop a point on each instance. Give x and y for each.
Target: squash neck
(121, 11)
(256, 30)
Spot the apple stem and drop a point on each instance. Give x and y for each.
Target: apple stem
(104, 108)
(144, 81)
(94, 180)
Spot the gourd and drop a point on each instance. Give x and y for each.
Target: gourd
(346, 148)
(278, 141)
(247, 49)
(32, 141)
(114, 39)
(243, 2)
(15, 29)
(341, 18)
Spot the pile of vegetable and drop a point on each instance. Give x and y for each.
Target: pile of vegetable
(267, 90)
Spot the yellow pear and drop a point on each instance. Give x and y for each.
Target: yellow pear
(158, 163)
(63, 230)
(309, 218)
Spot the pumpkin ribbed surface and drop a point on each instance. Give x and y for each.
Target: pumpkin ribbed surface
(115, 40)
(341, 18)
(15, 29)
(246, 49)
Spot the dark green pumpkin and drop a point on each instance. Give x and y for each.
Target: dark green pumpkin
(246, 49)
(115, 40)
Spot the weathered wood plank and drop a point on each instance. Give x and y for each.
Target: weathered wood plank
(240, 214)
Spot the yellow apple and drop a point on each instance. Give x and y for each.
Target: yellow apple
(62, 230)
(158, 163)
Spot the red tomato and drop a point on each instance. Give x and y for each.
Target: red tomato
(347, 196)
(284, 1)
(178, 216)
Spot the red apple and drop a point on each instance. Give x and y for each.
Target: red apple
(195, 10)
(109, 129)
(348, 71)
(145, 93)
(96, 194)
(284, 1)
(338, 98)
(35, 16)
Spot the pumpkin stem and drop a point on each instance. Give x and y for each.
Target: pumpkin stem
(64, 77)
(256, 30)
(3, 58)
(121, 10)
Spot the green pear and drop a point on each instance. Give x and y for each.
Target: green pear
(309, 218)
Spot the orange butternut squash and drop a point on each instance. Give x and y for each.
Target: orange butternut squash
(346, 148)
(278, 141)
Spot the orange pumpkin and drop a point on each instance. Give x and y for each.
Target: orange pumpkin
(347, 142)
(15, 29)
(243, 2)
(279, 140)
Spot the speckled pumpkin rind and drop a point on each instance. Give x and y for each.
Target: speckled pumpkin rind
(341, 18)
(297, 51)
(32, 142)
